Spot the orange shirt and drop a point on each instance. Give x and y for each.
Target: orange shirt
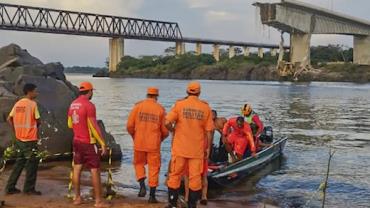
(25, 115)
(146, 125)
(231, 127)
(193, 119)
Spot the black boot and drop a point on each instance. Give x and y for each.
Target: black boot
(193, 198)
(142, 191)
(152, 199)
(173, 195)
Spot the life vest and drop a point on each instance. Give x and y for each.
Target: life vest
(249, 120)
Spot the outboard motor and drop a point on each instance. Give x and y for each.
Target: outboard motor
(267, 135)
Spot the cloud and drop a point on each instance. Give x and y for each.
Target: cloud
(112, 7)
(220, 16)
(198, 3)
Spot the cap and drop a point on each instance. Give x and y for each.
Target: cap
(84, 86)
(152, 91)
(193, 87)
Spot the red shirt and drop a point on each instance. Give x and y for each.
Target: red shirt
(82, 119)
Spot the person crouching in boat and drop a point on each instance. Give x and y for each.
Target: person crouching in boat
(254, 121)
(239, 137)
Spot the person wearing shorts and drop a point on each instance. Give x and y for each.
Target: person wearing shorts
(82, 119)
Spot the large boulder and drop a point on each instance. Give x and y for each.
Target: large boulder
(55, 96)
(21, 56)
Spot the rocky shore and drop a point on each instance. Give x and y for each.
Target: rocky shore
(18, 67)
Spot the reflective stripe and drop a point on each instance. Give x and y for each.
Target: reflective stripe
(26, 126)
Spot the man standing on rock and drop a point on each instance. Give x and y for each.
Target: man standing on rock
(25, 119)
(191, 121)
(146, 127)
(82, 119)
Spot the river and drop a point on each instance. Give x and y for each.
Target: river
(314, 117)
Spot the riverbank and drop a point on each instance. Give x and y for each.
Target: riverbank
(190, 66)
(53, 183)
(260, 72)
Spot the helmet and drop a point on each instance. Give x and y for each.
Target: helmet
(246, 109)
(84, 86)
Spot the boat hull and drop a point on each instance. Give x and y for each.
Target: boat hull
(247, 166)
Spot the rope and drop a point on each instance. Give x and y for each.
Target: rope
(70, 195)
(110, 184)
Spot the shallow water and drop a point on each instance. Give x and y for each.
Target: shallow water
(314, 117)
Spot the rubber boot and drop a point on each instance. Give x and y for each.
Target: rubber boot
(142, 191)
(152, 199)
(194, 196)
(173, 195)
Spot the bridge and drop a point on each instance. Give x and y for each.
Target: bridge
(45, 20)
(302, 20)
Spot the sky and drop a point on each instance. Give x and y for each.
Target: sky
(235, 20)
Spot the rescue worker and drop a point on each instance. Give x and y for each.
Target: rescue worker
(147, 128)
(255, 123)
(239, 137)
(25, 120)
(82, 119)
(191, 121)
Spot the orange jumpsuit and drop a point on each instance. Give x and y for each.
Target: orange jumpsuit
(239, 138)
(146, 126)
(193, 119)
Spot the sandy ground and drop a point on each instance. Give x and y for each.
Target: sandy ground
(53, 183)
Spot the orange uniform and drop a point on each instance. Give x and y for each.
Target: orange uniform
(239, 137)
(25, 115)
(146, 126)
(193, 119)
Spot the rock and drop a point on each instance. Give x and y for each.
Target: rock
(55, 97)
(14, 51)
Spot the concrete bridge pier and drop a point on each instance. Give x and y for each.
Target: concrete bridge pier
(300, 48)
(260, 52)
(246, 51)
(216, 52)
(198, 49)
(180, 48)
(273, 52)
(116, 52)
(231, 51)
(361, 50)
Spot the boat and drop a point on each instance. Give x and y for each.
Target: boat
(224, 174)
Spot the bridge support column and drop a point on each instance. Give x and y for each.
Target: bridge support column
(198, 49)
(180, 48)
(216, 52)
(273, 52)
(260, 52)
(246, 51)
(231, 51)
(300, 48)
(116, 52)
(361, 50)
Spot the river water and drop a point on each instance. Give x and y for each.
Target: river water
(314, 117)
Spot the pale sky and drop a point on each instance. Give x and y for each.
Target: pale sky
(234, 20)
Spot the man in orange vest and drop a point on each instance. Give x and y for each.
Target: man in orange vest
(146, 127)
(82, 119)
(191, 121)
(25, 119)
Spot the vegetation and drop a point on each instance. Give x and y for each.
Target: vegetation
(84, 69)
(331, 53)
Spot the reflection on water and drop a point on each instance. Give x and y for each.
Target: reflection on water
(313, 116)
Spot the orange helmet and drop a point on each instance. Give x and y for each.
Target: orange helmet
(246, 109)
(84, 86)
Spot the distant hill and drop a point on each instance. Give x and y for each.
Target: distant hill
(84, 69)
